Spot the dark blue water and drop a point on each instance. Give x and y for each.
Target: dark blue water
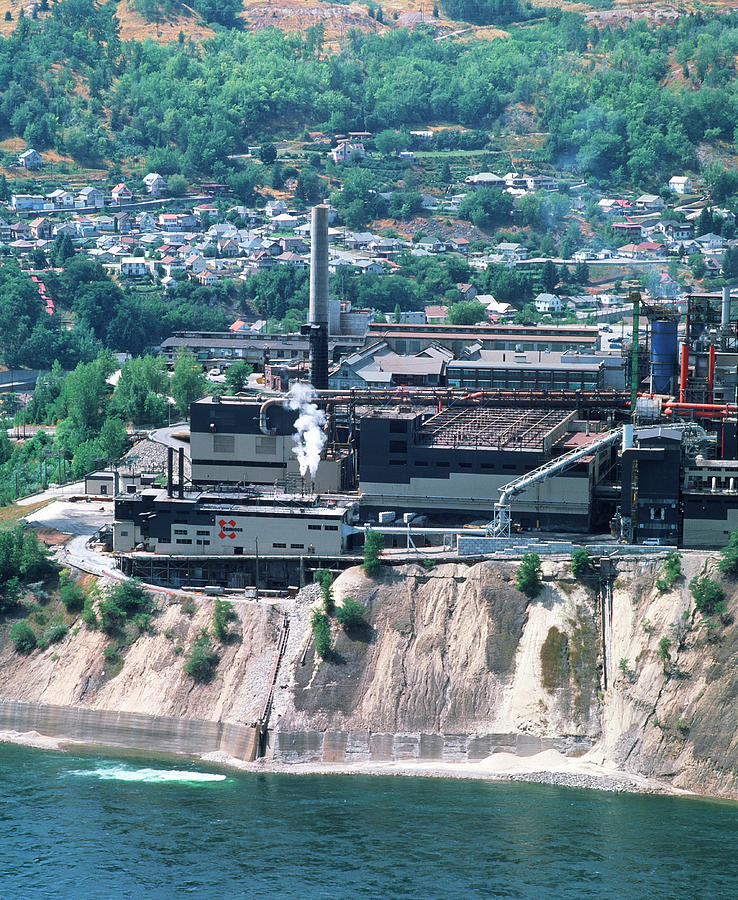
(91, 827)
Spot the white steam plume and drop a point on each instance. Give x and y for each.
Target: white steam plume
(309, 435)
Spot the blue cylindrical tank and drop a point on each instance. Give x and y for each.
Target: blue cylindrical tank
(663, 354)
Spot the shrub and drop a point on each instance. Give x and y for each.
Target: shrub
(528, 577)
(222, 614)
(23, 637)
(670, 572)
(708, 594)
(56, 633)
(325, 580)
(188, 607)
(663, 653)
(202, 659)
(728, 565)
(581, 565)
(554, 659)
(373, 546)
(321, 628)
(351, 614)
(71, 594)
(89, 617)
(124, 601)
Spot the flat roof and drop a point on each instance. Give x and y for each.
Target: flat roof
(507, 428)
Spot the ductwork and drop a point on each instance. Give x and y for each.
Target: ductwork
(263, 422)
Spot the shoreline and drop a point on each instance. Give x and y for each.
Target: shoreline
(548, 767)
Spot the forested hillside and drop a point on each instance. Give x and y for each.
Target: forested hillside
(620, 104)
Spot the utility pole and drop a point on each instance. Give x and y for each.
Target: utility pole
(257, 569)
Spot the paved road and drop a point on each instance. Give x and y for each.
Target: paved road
(165, 436)
(64, 490)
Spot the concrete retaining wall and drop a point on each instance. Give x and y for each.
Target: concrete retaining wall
(365, 746)
(130, 730)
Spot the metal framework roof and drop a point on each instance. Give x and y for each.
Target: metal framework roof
(521, 429)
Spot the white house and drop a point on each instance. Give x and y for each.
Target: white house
(548, 303)
(347, 151)
(649, 202)
(30, 159)
(121, 194)
(61, 199)
(27, 201)
(680, 184)
(484, 179)
(90, 197)
(155, 184)
(134, 266)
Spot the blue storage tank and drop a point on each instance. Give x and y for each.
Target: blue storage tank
(664, 354)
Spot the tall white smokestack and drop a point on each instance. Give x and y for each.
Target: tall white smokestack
(318, 314)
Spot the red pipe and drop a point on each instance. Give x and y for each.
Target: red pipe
(683, 373)
(710, 372)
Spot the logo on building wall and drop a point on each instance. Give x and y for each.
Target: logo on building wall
(227, 529)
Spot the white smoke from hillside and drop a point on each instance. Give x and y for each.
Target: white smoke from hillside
(309, 435)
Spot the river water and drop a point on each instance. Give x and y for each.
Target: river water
(86, 827)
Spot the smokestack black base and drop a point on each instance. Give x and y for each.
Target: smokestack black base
(318, 338)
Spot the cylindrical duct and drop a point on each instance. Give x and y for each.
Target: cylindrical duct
(710, 372)
(663, 354)
(181, 473)
(725, 309)
(684, 374)
(318, 313)
(170, 468)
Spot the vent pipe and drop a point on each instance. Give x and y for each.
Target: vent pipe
(170, 468)
(181, 473)
(683, 373)
(710, 372)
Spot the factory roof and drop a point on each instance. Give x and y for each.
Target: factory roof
(521, 429)
(531, 359)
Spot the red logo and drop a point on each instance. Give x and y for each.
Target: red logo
(227, 529)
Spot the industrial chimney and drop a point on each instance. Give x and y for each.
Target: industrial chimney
(317, 325)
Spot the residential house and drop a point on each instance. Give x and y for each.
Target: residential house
(347, 151)
(467, 291)
(123, 222)
(30, 159)
(459, 245)
(676, 231)
(643, 250)
(288, 258)
(428, 201)
(134, 266)
(436, 315)
(275, 208)
(294, 243)
(666, 287)
(407, 155)
(61, 199)
(649, 203)
(485, 179)
(27, 201)
(384, 246)
(358, 240)
(547, 303)
(155, 184)
(195, 263)
(20, 230)
(85, 227)
(6, 235)
(206, 209)
(610, 207)
(540, 183)
(104, 224)
(207, 278)
(168, 222)
(40, 229)
(629, 230)
(412, 317)
(711, 241)
(171, 266)
(120, 194)
(145, 221)
(229, 248)
(90, 197)
(680, 184)
(511, 251)
(64, 228)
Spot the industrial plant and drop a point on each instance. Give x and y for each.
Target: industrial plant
(537, 434)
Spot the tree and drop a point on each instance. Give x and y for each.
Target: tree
(696, 262)
(549, 276)
(350, 614)
(202, 659)
(529, 575)
(23, 637)
(708, 595)
(187, 382)
(237, 375)
(466, 312)
(373, 546)
(222, 614)
(391, 142)
(728, 564)
(321, 629)
(581, 565)
(71, 594)
(267, 153)
(663, 653)
(446, 176)
(670, 572)
(397, 315)
(325, 580)
(177, 185)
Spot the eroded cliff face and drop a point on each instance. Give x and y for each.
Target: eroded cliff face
(453, 663)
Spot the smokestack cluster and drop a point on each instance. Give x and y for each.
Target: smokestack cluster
(317, 326)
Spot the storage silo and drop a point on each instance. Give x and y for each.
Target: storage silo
(663, 355)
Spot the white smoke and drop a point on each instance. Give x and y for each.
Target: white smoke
(309, 435)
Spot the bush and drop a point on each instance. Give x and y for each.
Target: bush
(56, 633)
(373, 546)
(89, 617)
(202, 659)
(554, 659)
(528, 577)
(23, 637)
(581, 565)
(708, 595)
(222, 614)
(351, 614)
(321, 628)
(729, 562)
(71, 594)
(670, 572)
(663, 653)
(122, 602)
(325, 580)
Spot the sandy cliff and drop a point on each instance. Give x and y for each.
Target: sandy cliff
(453, 664)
